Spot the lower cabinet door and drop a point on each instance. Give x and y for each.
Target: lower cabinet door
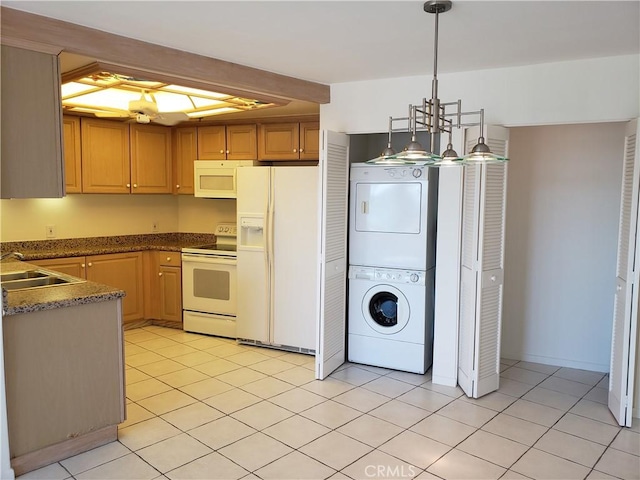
(170, 293)
(123, 271)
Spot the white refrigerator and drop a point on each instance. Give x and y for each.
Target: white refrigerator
(278, 256)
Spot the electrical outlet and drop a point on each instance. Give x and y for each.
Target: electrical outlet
(51, 231)
(154, 226)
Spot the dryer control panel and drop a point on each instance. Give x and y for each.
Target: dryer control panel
(387, 275)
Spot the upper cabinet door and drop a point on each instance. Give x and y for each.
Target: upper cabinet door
(212, 143)
(150, 159)
(32, 160)
(241, 142)
(279, 141)
(185, 152)
(105, 156)
(310, 141)
(72, 154)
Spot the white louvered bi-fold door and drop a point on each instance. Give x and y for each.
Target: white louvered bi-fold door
(331, 336)
(482, 268)
(625, 310)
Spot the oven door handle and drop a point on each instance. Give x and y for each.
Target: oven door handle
(218, 260)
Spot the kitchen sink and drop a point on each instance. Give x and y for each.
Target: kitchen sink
(6, 277)
(34, 279)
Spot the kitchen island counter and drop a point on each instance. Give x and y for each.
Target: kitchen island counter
(51, 297)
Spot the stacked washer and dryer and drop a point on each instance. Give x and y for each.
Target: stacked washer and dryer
(392, 221)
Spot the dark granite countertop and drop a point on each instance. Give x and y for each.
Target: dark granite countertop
(78, 247)
(55, 296)
(65, 295)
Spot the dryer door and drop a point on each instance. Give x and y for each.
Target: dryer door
(389, 207)
(385, 309)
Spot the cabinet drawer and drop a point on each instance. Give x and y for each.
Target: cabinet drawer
(168, 259)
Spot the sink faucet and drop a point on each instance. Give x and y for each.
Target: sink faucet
(18, 255)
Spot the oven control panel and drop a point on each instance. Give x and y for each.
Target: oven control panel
(226, 230)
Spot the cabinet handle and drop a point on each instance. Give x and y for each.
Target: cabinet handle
(128, 185)
(295, 150)
(301, 150)
(168, 259)
(177, 186)
(160, 274)
(90, 264)
(82, 265)
(135, 185)
(221, 151)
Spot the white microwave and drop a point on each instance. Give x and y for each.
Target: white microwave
(217, 179)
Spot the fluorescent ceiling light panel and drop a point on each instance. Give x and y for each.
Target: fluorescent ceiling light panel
(115, 91)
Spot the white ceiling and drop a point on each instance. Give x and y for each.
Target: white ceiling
(340, 41)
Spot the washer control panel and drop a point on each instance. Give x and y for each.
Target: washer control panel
(387, 275)
(408, 173)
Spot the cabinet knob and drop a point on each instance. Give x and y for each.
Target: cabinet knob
(168, 259)
(177, 186)
(160, 274)
(90, 264)
(227, 152)
(128, 185)
(221, 151)
(301, 150)
(135, 185)
(295, 150)
(82, 265)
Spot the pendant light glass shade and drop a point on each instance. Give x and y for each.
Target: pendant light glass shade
(482, 154)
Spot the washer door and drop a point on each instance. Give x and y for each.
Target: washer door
(385, 309)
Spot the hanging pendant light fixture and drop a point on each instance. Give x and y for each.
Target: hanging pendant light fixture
(435, 117)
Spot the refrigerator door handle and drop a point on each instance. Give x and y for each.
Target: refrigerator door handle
(271, 235)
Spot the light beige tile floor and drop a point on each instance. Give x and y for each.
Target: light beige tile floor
(203, 407)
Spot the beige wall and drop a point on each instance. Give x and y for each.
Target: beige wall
(99, 215)
(201, 215)
(563, 201)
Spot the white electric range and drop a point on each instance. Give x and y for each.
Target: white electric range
(209, 290)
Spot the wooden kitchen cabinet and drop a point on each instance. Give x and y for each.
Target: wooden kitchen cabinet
(151, 159)
(74, 266)
(185, 152)
(31, 148)
(212, 143)
(106, 162)
(309, 140)
(289, 141)
(72, 154)
(230, 142)
(123, 271)
(165, 281)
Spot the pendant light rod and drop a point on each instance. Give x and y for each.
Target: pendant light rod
(434, 82)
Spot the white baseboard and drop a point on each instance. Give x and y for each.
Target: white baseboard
(559, 362)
